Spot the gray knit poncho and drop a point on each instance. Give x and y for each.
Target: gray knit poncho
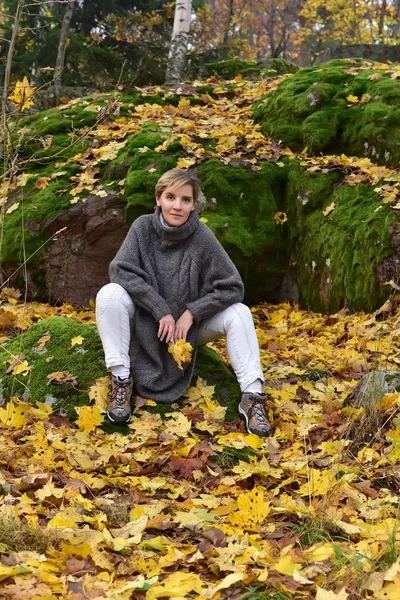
(166, 271)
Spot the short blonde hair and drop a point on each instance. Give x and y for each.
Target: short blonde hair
(178, 177)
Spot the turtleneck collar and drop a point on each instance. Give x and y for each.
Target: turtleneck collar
(174, 235)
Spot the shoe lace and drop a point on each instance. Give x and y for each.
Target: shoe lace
(116, 394)
(258, 406)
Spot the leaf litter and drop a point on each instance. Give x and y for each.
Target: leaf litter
(195, 507)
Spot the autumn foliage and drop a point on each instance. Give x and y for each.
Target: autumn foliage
(192, 506)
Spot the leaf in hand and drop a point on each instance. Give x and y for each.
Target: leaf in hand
(181, 352)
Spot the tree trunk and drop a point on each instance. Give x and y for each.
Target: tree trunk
(7, 71)
(180, 35)
(396, 26)
(61, 48)
(382, 20)
(88, 17)
(228, 22)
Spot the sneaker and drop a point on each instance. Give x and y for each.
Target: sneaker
(252, 408)
(119, 407)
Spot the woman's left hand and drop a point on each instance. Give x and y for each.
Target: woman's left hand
(183, 325)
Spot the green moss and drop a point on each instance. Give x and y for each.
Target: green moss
(241, 216)
(36, 207)
(86, 367)
(228, 69)
(86, 364)
(336, 255)
(311, 109)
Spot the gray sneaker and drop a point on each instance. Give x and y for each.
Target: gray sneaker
(252, 408)
(119, 407)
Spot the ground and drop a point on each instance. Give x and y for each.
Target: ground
(188, 504)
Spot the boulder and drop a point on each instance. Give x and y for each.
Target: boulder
(344, 258)
(82, 365)
(230, 68)
(371, 407)
(345, 106)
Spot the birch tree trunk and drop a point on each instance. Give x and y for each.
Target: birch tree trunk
(180, 35)
(61, 48)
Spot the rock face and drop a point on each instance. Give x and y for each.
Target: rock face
(343, 258)
(377, 52)
(76, 263)
(342, 106)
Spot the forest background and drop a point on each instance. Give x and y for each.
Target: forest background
(102, 35)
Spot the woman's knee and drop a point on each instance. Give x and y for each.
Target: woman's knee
(240, 312)
(112, 293)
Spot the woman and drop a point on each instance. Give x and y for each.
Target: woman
(172, 280)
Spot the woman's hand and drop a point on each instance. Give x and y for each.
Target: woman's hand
(183, 325)
(166, 328)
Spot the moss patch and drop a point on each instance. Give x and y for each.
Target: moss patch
(240, 211)
(312, 109)
(336, 255)
(86, 363)
(228, 69)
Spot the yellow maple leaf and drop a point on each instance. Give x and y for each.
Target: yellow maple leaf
(14, 414)
(22, 368)
(181, 352)
(252, 510)
(184, 163)
(352, 99)
(90, 417)
(22, 96)
(329, 595)
(77, 341)
(99, 392)
(42, 183)
(176, 585)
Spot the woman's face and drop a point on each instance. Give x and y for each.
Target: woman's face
(176, 204)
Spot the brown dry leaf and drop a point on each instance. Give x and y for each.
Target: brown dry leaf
(61, 377)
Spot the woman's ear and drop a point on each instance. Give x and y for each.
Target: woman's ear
(158, 201)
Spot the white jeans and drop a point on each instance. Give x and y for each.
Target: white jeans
(115, 309)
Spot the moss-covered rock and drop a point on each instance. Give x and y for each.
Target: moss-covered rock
(228, 69)
(337, 256)
(342, 106)
(86, 363)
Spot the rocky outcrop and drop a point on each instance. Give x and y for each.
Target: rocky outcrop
(76, 263)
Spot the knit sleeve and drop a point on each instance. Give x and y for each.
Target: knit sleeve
(221, 284)
(127, 270)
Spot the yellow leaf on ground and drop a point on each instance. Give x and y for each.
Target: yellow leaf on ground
(389, 591)
(22, 369)
(181, 352)
(14, 414)
(329, 209)
(352, 99)
(327, 595)
(286, 565)
(12, 208)
(184, 163)
(77, 340)
(90, 417)
(176, 585)
(99, 392)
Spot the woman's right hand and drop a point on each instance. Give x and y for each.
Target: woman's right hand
(166, 328)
